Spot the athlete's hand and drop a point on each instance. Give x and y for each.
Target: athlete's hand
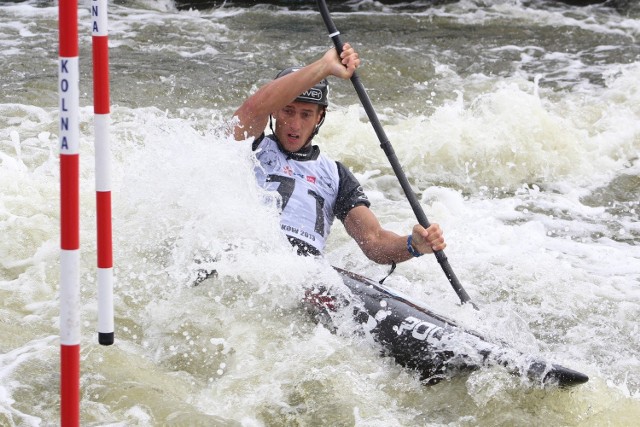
(343, 66)
(428, 240)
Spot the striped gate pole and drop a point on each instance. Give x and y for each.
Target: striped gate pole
(101, 111)
(68, 91)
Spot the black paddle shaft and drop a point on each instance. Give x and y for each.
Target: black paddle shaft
(334, 34)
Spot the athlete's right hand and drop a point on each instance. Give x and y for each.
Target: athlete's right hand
(345, 65)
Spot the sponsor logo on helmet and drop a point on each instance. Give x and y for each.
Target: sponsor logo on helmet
(312, 94)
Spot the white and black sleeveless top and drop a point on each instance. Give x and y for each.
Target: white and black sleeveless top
(313, 190)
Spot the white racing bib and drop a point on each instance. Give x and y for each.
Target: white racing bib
(308, 191)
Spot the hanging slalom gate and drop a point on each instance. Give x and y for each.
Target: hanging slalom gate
(100, 41)
(68, 90)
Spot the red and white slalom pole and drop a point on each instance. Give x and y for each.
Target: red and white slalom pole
(69, 100)
(101, 111)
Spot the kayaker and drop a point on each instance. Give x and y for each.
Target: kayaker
(315, 189)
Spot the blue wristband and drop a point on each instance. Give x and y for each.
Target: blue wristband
(411, 249)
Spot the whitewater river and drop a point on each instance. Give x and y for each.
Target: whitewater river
(517, 122)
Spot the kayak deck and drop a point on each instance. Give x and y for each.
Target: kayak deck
(435, 346)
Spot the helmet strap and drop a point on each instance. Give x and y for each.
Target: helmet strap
(317, 128)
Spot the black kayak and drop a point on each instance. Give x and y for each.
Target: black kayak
(435, 346)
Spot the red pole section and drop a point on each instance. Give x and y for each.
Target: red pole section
(100, 40)
(68, 91)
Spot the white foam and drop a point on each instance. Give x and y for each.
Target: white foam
(503, 163)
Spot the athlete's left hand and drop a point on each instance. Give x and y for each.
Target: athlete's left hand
(428, 240)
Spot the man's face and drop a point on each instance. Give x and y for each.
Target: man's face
(295, 123)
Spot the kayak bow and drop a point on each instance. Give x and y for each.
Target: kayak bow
(435, 346)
